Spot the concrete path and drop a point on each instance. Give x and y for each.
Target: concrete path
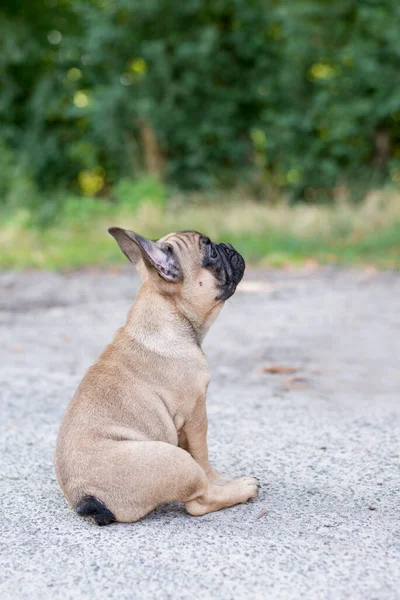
(324, 440)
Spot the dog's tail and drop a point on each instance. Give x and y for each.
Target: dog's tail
(96, 510)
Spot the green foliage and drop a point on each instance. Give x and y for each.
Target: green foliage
(144, 191)
(299, 95)
(340, 113)
(17, 187)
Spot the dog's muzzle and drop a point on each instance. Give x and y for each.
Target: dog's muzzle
(233, 265)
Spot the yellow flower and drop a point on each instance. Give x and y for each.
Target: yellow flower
(138, 66)
(81, 99)
(91, 181)
(323, 70)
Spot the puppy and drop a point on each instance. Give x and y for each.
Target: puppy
(134, 435)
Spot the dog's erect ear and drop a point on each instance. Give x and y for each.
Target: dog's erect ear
(159, 256)
(127, 242)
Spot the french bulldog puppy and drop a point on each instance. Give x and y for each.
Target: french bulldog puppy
(134, 435)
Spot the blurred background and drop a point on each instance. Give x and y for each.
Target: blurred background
(274, 124)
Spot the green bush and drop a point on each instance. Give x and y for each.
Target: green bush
(146, 190)
(17, 187)
(296, 94)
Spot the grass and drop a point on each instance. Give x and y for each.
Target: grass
(267, 235)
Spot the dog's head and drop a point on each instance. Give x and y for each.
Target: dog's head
(187, 263)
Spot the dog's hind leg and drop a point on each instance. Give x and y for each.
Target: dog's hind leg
(142, 475)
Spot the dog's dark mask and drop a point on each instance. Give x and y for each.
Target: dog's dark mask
(226, 264)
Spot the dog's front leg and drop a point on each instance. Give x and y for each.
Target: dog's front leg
(195, 431)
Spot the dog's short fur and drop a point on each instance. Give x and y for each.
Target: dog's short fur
(134, 435)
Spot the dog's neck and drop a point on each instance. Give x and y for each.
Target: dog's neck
(165, 324)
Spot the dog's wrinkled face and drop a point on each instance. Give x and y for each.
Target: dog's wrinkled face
(204, 274)
(225, 263)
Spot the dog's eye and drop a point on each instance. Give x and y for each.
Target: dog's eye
(213, 252)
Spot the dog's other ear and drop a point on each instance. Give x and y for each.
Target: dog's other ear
(127, 242)
(156, 255)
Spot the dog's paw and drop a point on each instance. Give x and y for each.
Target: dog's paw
(249, 487)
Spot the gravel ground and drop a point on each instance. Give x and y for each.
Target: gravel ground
(324, 441)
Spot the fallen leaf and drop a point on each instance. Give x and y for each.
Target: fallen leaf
(277, 369)
(296, 383)
(263, 513)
